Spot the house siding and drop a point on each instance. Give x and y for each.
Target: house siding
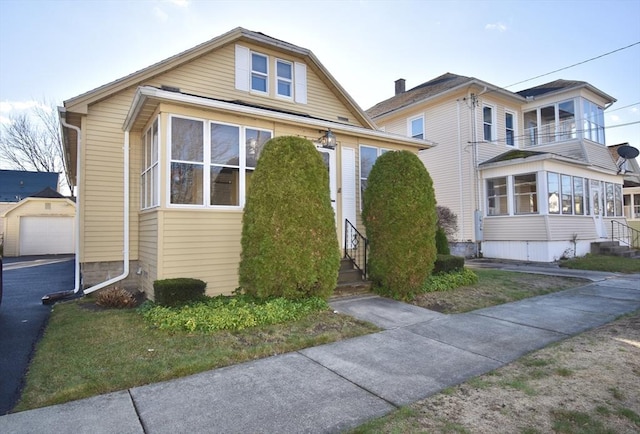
(148, 248)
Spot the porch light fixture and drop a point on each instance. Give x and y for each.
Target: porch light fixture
(328, 140)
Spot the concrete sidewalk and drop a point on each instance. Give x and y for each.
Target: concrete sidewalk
(341, 385)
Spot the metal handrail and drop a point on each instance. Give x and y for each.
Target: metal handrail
(625, 234)
(356, 246)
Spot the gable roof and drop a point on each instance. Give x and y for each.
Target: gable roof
(558, 86)
(80, 103)
(438, 86)
(48, 193)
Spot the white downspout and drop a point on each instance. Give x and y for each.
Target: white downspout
(63, 122)
(125, 271)
(52, 298)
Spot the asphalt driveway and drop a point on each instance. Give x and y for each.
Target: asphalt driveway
(23, 316)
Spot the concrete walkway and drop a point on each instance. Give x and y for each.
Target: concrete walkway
(338, 386)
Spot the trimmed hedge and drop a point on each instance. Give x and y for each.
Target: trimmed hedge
(289, 243)
(399, 213)
(173, 292)
(448, 264)
(442, 244)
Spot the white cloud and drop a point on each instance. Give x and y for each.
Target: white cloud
(4, 120)
(635, 110)
(615, 118)
(496, 26)
(160, 14)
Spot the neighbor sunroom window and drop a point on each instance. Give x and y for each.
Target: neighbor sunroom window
(525, 194)
(593, 124)
(613, 200)
(284, 78)
(259, 72)
(223, 179)
(149, 186)
(497, 196)
(553, 188)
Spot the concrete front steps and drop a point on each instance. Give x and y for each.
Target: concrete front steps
(613, 248)
(350, 281)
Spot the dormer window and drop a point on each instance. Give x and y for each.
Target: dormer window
(284, 78)
(259, 72)
(269, 76)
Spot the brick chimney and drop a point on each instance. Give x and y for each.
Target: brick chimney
(399, 86)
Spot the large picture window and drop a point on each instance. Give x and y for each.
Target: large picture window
(223, 179)
(497, 196)
(525, 194)
(149, 182)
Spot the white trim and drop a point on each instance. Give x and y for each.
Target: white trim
(494, 136)
(243, 68)
(514, 128)
(410, 126)
(278, 78)
(300, 81)
(259, 73)
(147, 92)
(348, 189)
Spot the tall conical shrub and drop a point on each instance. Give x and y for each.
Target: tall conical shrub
(289, 242)
(399, 214)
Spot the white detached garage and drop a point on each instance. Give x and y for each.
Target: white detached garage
(40, 226)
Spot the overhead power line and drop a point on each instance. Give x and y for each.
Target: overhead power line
(575, 64)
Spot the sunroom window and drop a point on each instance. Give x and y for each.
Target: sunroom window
(223, 179)
(549, 124)
(525, 194)
(149, 182)
(497, 196)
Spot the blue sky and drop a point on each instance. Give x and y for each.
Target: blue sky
(55, 50)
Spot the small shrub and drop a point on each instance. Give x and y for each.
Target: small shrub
(172, 292)
(115, 297)
(446, 282)
(442, 244)
(448, 264)
(230, 313)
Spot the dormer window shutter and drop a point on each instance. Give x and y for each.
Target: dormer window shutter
(300, 70)
(243, 57)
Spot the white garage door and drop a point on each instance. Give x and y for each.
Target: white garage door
(46, 235)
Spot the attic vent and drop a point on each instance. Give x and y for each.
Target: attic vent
(343, 119)
(170, 88)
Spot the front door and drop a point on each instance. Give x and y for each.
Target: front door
(597, 208)
(329, 158)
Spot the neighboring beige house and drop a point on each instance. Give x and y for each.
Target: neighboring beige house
(166, 155)
(527, 173)
(41, 224)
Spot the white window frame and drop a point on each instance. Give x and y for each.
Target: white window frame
(150, 168)
(496, 197)
(259, 73)
(207, 165)
(515, 194)
(410, 122)
(513, 128)
(279, 79)
(492, 125)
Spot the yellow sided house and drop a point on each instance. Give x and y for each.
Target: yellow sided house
(163, 157)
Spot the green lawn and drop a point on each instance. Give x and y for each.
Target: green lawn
(613, 264)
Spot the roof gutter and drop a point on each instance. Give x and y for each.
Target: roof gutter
(147, 92)
(57, 296)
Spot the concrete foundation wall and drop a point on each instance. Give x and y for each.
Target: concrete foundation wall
(93, 273)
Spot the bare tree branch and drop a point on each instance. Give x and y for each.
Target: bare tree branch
(32, 142)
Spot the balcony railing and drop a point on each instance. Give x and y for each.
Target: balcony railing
(551, 133)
